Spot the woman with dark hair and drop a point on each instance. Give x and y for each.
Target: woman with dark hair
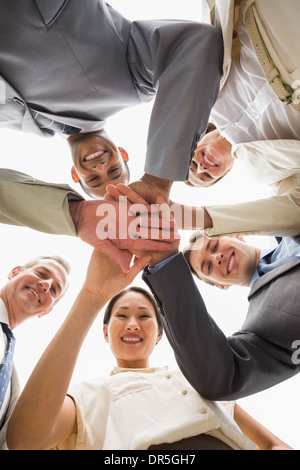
(137, 407)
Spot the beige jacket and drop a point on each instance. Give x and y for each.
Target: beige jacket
(276, 47)
(28, 202)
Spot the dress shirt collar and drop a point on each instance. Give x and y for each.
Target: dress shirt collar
(146, 370)
(286, 248)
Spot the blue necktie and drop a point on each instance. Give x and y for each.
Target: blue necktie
(265, 264)
(7, 364)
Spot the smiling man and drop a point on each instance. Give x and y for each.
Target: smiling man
(222, 262)
(31, 290)
(97, 162)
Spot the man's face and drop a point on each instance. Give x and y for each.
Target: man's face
(212, 160)
(97, 161)
(35, 290)
(224, 261)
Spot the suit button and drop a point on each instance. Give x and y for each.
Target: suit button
(184, 392)
(202, 410)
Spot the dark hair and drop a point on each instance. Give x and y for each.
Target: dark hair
(210, 128)
(187, 254)
(139, 290)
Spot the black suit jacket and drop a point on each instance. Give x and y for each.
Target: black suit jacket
(254, 358)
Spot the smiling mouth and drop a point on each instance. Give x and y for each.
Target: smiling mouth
(207, 161)
(94, 156)
(34, 292)
(131, 339)
(231, 263)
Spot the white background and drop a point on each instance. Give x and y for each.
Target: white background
(49, 159)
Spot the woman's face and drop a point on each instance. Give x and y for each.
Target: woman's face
(132, 331)
(212, 160)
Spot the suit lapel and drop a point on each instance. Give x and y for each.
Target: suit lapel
(50, 10)
(266, 278)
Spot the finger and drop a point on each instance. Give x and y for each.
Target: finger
(108, 197)
(138, 266)
(113, 192)
(167, 234)
(131, 195)
(148, 245)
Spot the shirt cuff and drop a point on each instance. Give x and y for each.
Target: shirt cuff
(160, 265)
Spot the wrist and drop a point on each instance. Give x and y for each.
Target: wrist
(162, 256)
(92, 300)
(161, 183)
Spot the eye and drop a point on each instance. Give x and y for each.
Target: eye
(91, 179)
(209, 267)
(208, 175)
(216, 247)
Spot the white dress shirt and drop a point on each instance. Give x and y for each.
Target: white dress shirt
(247, 108)
(3, 343)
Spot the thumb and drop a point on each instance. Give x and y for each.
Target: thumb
(138, 266)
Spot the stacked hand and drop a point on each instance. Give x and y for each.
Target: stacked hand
(121, 224)
(166, 224)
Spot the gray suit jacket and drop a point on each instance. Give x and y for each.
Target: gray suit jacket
(254, 358)
(80, 61)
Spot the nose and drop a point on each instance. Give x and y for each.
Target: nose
(218, 257)
(132, 325)
(45, 285)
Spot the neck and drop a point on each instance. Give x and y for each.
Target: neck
(257, 259)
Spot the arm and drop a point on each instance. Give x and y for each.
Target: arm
(32, 203)
(273, 216)
(186, 75)
(57, 209)
(44, 416)
(255, 431)
(219, 368)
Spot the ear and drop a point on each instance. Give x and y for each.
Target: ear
(105, 333)
(74, 175)
(124, 154)
(159, 336)
(223, 286)
(44, 313)
(14, 272)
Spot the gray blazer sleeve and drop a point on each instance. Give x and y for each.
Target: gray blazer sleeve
(218, 367)
(28, 202)
(184, 62)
